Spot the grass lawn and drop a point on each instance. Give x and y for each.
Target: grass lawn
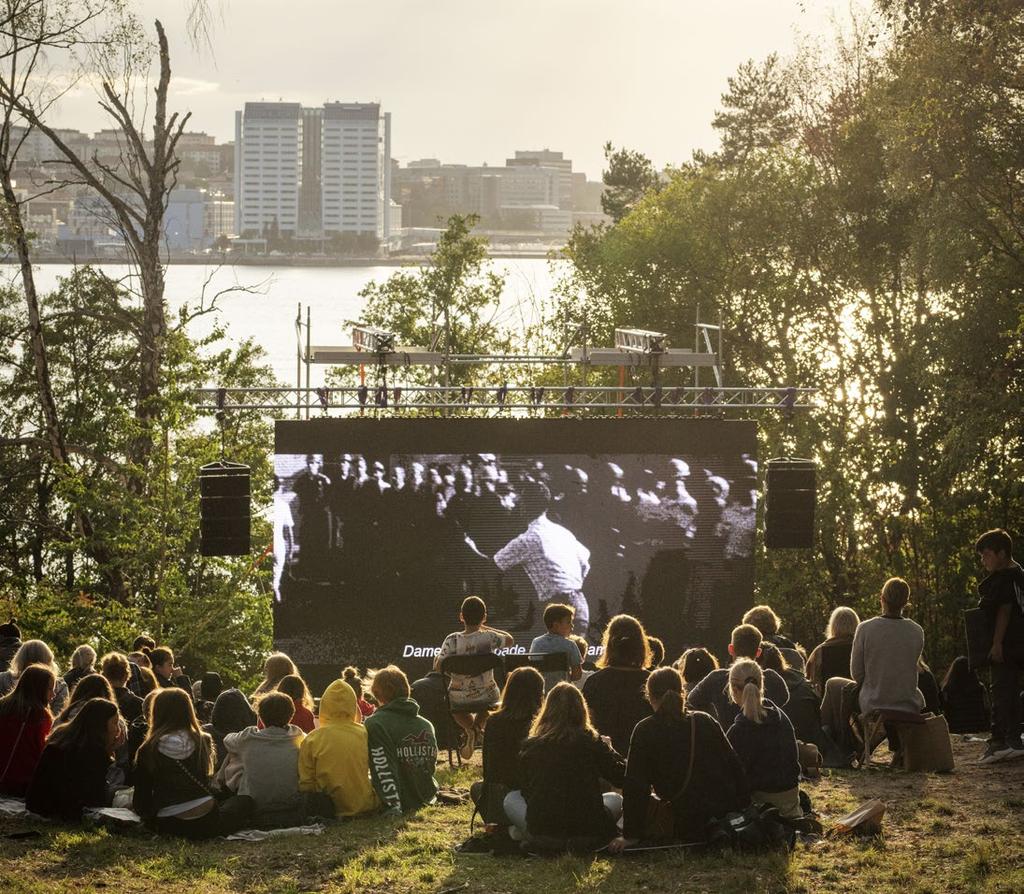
(959, 832)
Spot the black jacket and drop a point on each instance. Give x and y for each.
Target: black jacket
(562, 785)
(1005, 587)
(167, 782)
(803, 708)
(711, 695)
(129, 704)
(65, 783)
(966, 707)
(9, 646)
(503, 740)
(659, 756)
(767, 750)
(617, 702)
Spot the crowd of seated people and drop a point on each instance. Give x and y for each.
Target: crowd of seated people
(561, 761)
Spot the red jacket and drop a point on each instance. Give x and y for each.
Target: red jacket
(21, 745)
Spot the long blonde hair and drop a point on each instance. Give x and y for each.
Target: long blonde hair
(275, 669)
(33, 651)
(563, 715)
(746, 688)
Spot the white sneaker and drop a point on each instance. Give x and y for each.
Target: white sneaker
(996, 752)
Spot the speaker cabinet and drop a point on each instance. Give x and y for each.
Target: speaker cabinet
(224, 509)
(791, 493)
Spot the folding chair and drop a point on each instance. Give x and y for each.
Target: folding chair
(467, 666)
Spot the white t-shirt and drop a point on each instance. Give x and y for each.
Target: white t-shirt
(481, 688)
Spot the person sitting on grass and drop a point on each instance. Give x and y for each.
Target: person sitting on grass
(615, 694)
(558, 618)
(116, 669)
(72, 771)
(35, 651)
(231, 714)
(334, 758)
(403, 749)
(25, 722)
(712, 693)
(764, 742)
(804, 706)
(695, 664)
(294, 686)
(507, 730)
(565, 768)
(832, 657)
(269, 758)
(83, 662)
(480, 692)
(87, 687)
(964, 698)
(697, 784)
(657, 649)
(173, 770)
(354, 679)
(167, 673)
(275, 669)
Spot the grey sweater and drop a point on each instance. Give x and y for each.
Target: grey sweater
(270, 764)
(884, 661)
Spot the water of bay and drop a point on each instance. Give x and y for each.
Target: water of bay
(267, 311)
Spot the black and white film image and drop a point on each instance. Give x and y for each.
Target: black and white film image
(390, 545)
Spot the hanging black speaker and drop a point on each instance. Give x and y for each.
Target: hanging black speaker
(224, 502)
(791, 492)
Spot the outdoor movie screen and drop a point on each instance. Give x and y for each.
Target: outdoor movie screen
(382, 527)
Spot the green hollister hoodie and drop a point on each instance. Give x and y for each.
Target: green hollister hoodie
(403, 753)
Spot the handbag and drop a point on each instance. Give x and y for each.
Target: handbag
(660, 820)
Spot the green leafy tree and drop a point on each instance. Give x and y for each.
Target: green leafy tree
(629, 176)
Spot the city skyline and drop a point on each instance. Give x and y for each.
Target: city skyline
(486, 82)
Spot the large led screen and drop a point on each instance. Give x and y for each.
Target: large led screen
(382, 527)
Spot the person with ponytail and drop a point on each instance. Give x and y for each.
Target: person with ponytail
(615, 694)
(685, 758)
(72, 772)
(764, 742)
(564, 768)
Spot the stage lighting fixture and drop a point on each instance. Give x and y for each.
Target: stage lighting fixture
(643, 341)
(373, 339)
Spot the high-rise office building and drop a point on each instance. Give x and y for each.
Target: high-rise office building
(545, 158)
(313, 173)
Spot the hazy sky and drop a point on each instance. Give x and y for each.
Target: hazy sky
(472, 80)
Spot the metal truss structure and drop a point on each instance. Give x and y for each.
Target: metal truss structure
(504, 398)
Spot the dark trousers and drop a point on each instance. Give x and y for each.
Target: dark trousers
(226, 817)
(1006, 704)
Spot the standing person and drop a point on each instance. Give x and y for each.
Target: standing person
(403, 750)
(334, 758)
(10, 642)
(35, 651)
(478, 692)
(712, 693)
(25, 722)
(167, 673)
(764, 742)
(556, 562)
(314, 524)
(508, 729)
(884, 661)
(832, 657)
(72, 771)
(565, 765)
(558, 618)
(83, 662)
(173, 770)
(615, 694)
(1002, 599)
(685, 757)
(269, 759)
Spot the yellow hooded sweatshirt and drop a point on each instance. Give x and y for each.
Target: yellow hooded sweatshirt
(334, 758)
